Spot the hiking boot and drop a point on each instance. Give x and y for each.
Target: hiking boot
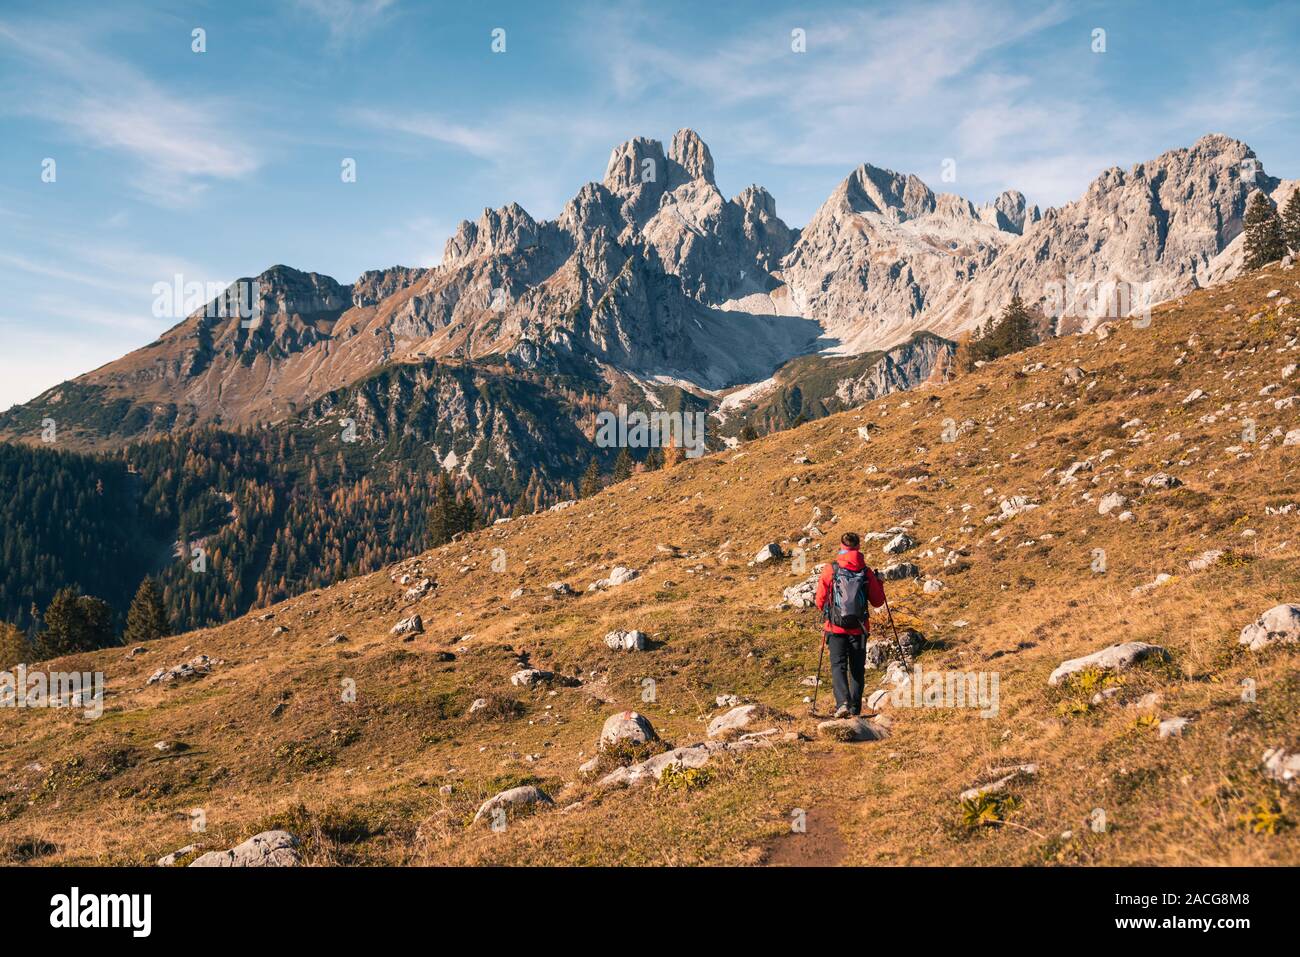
(842, 711)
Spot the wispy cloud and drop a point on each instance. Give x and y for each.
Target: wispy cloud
(346, 19)
(179, 143)
(484, 140)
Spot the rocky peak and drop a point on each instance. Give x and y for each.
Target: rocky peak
(1009, 212)
(870, 189)
(497, 232)
(283, 290)
(689, 157)
(638, 162)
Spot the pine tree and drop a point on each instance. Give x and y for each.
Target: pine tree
(75, 622)
(1010, 332)
(1264, 242)
(1291, 222)
(440, 520)
(590, 480)
(14, 647)
(622, 465)
(146, 619)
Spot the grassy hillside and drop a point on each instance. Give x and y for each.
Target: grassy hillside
(266, 740)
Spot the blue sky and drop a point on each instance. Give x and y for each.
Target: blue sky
(218, 164)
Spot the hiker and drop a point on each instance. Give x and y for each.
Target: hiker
(845, 587)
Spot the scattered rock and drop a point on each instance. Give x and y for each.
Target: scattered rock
(618, 575)
(1205, 560)
(561, 589)
(409, 626)
(767, 553)
(528, 677)
(1280, 624)
(196, 667)
(1002, 778)
(899, 571)
(852, 729)
(1151, 585)
(626, 640)
(804, 594)
(523, 796)
(694, 756)
(1282, 766)
(1161, 480)
(1109, 502)
(932, 586)
(735, 719)
(268, 849)
(169, 860)
(899, 543)
(1119, 657)
(1173, 727)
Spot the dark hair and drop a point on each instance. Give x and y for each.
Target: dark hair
(850, 540)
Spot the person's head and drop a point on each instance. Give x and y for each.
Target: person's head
(850, 541)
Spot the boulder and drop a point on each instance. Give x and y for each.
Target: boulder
(408, 627)
(1280, 625)
(852, 729)
(1206, 560)
(528, 677)
(1016, 505)
(629, 726)
(804, 594)
(882, 650)
(561, 589)
(898, 571)
(735, 719)
(626, 640)
(1119, 657)
(767, 553)
(1161, 480)
(1282, 766)
(618, 575)
(932, 586)
(899, 543)
(512, 799)
(268, 849)
(1109, 502)
(196, 667)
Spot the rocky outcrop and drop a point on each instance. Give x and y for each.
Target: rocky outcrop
(268, 849)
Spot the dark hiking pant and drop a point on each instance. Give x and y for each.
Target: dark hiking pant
(848, 666)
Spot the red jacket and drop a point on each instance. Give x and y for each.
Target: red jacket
(850, 559)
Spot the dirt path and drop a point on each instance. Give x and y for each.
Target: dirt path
(821, 842)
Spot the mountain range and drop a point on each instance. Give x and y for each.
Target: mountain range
(652, 284)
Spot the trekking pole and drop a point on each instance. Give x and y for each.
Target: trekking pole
(818, 685)
(901, 650)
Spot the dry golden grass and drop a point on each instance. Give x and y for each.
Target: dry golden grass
(362, 782)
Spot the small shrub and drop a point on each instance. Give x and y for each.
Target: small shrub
(987, 810)
(1266, 817)
(676, 778)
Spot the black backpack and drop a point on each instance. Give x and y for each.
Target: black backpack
(847, 607)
